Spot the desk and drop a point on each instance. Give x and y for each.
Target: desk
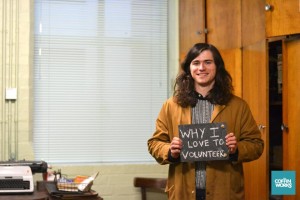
(39, 194)
(36, 195)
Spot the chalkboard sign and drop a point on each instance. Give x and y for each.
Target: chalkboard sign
(203, 142)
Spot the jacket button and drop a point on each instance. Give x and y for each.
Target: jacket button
(193, 192)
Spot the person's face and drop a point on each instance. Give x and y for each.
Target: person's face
(203, 70)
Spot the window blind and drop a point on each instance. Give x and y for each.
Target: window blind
(100, 78)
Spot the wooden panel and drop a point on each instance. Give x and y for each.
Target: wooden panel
(291, 109)
(255, 84)
(233, 63)
(223, 20)
(191, 24)
(253, 22)
(284, 18)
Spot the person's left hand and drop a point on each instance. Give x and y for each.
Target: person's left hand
(231, 143)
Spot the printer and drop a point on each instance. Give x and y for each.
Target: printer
(16, 176)
(16, 179)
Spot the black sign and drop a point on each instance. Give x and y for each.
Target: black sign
(203, 142)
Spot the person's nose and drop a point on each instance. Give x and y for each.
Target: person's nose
(202, 66)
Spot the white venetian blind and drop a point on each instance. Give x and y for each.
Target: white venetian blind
(100, 78)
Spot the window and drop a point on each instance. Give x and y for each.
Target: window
(100, 78)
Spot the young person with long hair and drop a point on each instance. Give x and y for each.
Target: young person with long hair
(203, 93)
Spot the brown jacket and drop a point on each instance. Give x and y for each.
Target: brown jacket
(224, 179)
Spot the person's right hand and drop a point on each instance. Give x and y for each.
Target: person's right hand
(175, 147)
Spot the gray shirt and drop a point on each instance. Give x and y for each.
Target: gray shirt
(201, 113)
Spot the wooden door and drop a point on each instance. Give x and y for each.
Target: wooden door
(191, 25)
(223, 23)
(291, 110)
(233, 63)
(283, 17)
(253, 28)
(255, 86)
(255, 92)
(216, 22)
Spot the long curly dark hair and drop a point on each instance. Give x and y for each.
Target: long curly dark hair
(184, 90)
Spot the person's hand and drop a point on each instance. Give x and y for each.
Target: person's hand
(175, 147)
(231, 143)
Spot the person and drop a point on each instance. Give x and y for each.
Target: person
(203, 93)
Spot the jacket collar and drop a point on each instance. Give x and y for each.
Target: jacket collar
(216, 111)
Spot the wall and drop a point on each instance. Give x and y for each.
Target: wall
(115, 181)
(16, 60)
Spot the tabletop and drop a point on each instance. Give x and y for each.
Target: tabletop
(40, 193)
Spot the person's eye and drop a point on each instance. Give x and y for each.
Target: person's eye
(208, 62)
(196, 63)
